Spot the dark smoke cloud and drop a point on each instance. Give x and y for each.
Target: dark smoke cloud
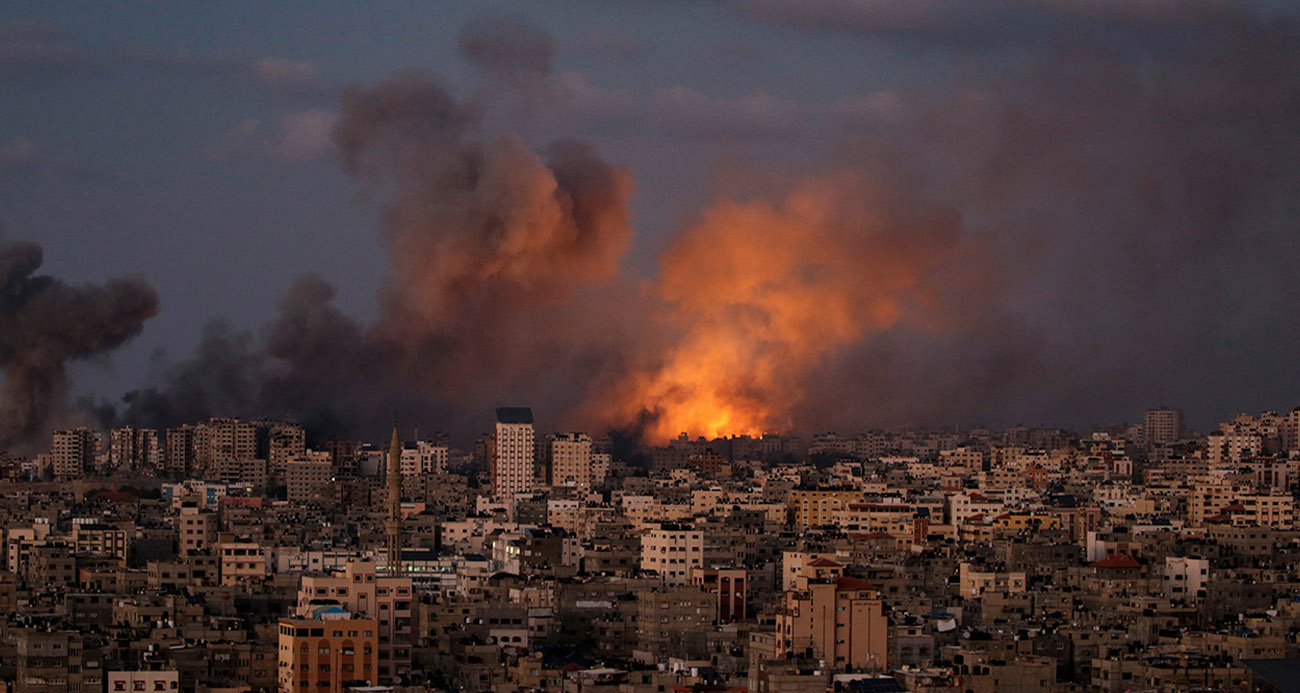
(503, 275)
(1115, 230)
(44, 323)
(509, 51)
(1141, 194)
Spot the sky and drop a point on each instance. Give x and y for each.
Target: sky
(760, 215)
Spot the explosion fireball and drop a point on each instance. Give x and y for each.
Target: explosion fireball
(760, 293)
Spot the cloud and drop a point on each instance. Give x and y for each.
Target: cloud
(27, 156)
(510, 51)
(295, 137)
(525, 92)
(305, 135)
(575, 98)
(31, 50)
(759, 115)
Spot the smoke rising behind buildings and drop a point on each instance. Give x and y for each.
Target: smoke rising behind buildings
(44, 323)
(1063, 237)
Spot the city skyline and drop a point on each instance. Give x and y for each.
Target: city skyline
(1054, 213)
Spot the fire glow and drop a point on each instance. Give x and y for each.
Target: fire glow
(762, 292)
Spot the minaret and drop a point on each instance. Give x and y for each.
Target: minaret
(393, 526)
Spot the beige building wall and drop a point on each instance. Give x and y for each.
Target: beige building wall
(571, 460)
(360, 591)
(672, 550)
(319, 655)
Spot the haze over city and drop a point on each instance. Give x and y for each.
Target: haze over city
(716, 218)
(631, 346)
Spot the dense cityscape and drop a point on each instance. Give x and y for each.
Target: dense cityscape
(614, 346)
(229, 555)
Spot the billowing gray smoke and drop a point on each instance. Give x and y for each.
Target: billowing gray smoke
(1112, 224)
(44, 323)
(503, 269)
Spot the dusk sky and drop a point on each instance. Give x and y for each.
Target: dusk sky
(761, 214)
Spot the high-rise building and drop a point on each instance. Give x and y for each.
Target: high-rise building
(671, 550)
(72, 453)
(179, 457)
(423, 457)
(248, 471)
(307, 474)
(1291, 430)
(343, 455)
(285, 442)
(1162, 426)
(134, 449)
(570, 460)
(513, 452)
(217, 439)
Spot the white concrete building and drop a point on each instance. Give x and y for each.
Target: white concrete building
(513, 452)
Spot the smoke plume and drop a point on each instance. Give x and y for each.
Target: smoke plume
(44, 323)
(512, 52)
(1061, 243)
(503, 269)
(761, 292)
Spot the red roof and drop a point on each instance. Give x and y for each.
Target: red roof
(1121, 560)
(825, 563)
(852, 583)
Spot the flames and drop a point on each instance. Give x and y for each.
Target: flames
(505, 260)
(760, 294)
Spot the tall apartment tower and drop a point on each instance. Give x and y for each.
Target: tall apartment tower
(393, 525)
(285, 442)
(1291, 430)
(1162, 426)
(72, 453)
(343, 456)
(513, 452)
(134, 449)
(179, 457)
(223, 438)
(570, 460)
